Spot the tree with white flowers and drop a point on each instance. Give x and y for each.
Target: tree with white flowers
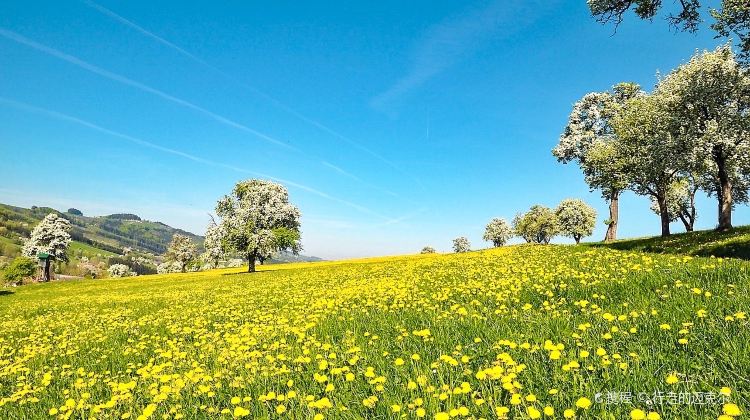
(257, 220)
(497, 231)
(181, 251)
(708, 101)
(213, 245)
(120, 270)
(575, 219)
(461, 244)
(538, 225)
(51, 236)
(590, 141)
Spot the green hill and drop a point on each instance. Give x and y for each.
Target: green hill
(102, 236)
(105, 234)
(704, 243)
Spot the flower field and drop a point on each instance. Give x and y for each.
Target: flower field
(517, 332)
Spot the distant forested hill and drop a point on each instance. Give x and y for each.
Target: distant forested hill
(101, 234)
(110, 233)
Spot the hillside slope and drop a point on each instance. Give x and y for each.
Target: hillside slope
(503, 333)
(704, 243)
(103, 235)
(110, 233)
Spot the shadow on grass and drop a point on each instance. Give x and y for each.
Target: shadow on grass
(5, 292)
(732, 244)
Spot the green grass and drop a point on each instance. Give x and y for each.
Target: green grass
(705, 243)
(88, 250)
(199, 344)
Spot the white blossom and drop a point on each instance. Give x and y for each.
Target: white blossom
(258, 220)
(119, 270)
(51, 235)
(575, 219)
(461, 244)
(497, 231)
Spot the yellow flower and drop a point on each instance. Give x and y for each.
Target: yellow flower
(725, 391)
(52, 411)
(672, 379)
(583, 403)
(240, 412)
(638, 414)
(420, 412)
(569, 413)
(533, 412)
(549, 411)
(395, 408)
(653, 416)
(731, 409)
(236, 400)
(442, 416)
(398, 362)
(280, 409)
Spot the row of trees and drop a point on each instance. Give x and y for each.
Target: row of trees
(691, 133)
(572, 218)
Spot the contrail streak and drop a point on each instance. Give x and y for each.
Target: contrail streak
(255, 90)
(69, 118)
(140, 86)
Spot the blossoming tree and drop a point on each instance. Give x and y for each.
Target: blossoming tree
(50, 236)
(497, 231)
(258, 220)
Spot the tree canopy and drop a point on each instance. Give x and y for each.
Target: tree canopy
(51, 236)
(732, 18)
(258, 220)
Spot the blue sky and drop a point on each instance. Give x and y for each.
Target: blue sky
(393, 124)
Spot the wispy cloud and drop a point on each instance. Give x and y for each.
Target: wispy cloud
(65, 117)
(271, 99)
(13, 36)
(445, 44)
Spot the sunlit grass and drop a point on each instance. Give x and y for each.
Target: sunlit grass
(516, 332)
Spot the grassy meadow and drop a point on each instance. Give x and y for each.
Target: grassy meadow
(517, 332)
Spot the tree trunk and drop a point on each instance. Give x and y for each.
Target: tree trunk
(663, 213)
(251, 263)
(614, 210)
(724, 193)
(46, 276)
(577, 238)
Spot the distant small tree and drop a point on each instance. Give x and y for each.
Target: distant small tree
(575, 218)
(538, 225)
(498, 231)
(182, 251)
(461, 244)
(258, 220)
(214, 245)
(119, 270)
(428, 250)
(51, 236)
(75, 212)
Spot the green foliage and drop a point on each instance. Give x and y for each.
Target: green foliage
(19, 269)
(75, 212)
(576, 219)
(538, 225)
(731, 19)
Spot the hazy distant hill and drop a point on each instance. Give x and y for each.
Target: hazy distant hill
(108, 233)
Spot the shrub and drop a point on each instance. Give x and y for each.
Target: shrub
(428, 250)
(20, 269)
(120, 270)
